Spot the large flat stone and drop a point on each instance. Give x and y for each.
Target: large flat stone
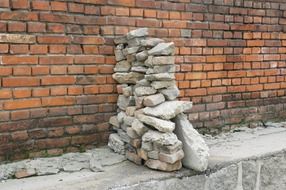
(168, 109)
(163, 49)
(195, 148)
(159, 124)
(128, 78)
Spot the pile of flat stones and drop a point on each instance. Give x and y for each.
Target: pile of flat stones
(147, 102)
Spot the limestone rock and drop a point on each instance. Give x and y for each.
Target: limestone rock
(160, 139)
(160, 77)
(127, 91)
(116, 144)
(159, 61)
(151, 42)
(171, 158)
(131, 50)
(119, 56)
(162, 69)
(132, 133)
(135, 41)
(133, 157)
(163, 49)
(114, 121)
(120, 40)
(171, 93)
(130, 110)
(139, 101)
(153, 155)
(158, 165)
(142, 56)
(143, 82)
(163, 60)
(129, 78)
(122, 66)
(140, 32)
(162, 84)
(139, 69)
(168, 110)
(144, 90)
(142, 154)
(128, 120)
(123, 102)
(194, 146)
(153, 100)
(139, 127)
(123, 136)
(159, 124)
(120, 116)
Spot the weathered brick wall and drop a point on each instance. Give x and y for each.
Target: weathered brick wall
(57, 57)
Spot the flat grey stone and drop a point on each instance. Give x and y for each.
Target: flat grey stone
(139, 69)
(163, 166)
(195, 148)
(131, 50)
(140, 32)
(159, 124)
(120, 40)
(171, 93)
(142, 56)
(162, 69)
(163, 84)
(119, 56)
(163, 60)
(123, 102)
(144, 91)
(163, 49)
(160, 77)
(122, 66)
(128, 78)
(171, 158)
(114, 121)
(127, 91)
(168, 110)
(151, 42)
(139, 127)
(153, 100)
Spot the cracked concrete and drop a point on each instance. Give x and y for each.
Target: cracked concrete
(248, 159)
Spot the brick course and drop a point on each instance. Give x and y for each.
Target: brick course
(57, 58)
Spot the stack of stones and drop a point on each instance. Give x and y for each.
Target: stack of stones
(145, 71)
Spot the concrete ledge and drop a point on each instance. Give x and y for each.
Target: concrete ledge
(253, 159)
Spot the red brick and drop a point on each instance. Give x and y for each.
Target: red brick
(53, 39)
(16, 27)
(40, 5)
(58, 101)
(22, 71)
(19, 49)
(36, 27)
(130, 3)
(58, 6)
(38, 49)
(57, 80)
(20, 82)
(51, 60)
(16, 60)
(21, 104)
(76, 8)
(5, 94)
(22, 114)
(4, 3)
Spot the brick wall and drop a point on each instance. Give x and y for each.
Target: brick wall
(57, 93)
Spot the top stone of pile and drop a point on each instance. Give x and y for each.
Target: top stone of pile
(141, 32)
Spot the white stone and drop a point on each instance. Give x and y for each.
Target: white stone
(163, 60)
(163, 84)
(122, 66)
(159, 124)
(144, 91)
(140, 32)
(128, 78)
(153, 100)
(171, 93)
(168, 110)
(139, 69)
(195, 148)
(139, 127)
(160, 77)
(151, 42)
(158, 165)
(163, 49)
(162, 69)
(161, 139)
(114, 121)
(171, 158)
(142, 56)
(119, 56)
